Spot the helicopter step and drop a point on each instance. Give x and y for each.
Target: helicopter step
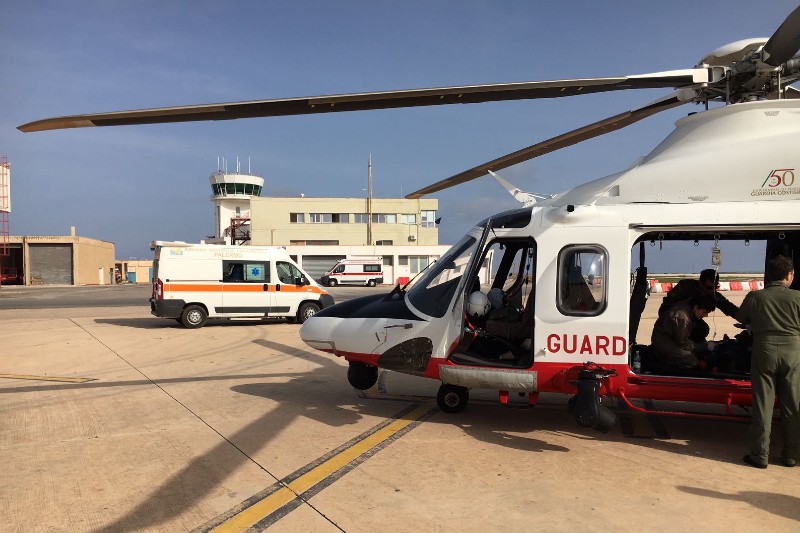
(509, 380)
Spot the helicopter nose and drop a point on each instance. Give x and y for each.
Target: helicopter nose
(318, 332)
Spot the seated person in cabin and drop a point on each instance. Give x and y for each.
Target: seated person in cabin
(506, 319)
(678, 340)
(707, 284)
(235, 273)
(577, 296)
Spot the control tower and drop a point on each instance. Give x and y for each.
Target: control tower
(231, 193)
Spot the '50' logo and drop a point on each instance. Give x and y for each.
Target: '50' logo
(780, 176)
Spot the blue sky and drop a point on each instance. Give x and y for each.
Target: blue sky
(133, 184)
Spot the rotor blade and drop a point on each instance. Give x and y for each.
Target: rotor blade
(468, 94)
(550, 145)
(785, 42)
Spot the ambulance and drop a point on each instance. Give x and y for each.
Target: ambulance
(356, 271)
(195, 282)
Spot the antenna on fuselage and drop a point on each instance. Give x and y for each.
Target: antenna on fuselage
(527, 199)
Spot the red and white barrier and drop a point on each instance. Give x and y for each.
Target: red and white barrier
(752, 285)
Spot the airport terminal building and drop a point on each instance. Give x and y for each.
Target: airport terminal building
(317, 232)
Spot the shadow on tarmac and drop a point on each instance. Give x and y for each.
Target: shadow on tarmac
(778, 504)
(197, 479)
(158, 323)
(205, 473)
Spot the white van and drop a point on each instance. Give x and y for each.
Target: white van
(194, 282)
(357, 271)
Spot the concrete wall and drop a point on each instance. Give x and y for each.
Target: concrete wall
(93, 261)
(140, 269)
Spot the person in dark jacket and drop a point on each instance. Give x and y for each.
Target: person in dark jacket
(707, 284)
(773, 314)
(675, 342)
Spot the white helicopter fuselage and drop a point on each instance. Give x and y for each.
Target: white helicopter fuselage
(722, 171)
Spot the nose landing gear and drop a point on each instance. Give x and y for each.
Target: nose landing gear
(452, 398)
(361, 375)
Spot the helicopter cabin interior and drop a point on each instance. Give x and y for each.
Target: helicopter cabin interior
(746, 247)
(502, 336)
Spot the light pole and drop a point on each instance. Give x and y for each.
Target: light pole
(369, 201)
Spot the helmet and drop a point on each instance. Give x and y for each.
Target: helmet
(477, 304)
(496, 298)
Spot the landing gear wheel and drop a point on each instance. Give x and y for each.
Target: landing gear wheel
(452, 398)
(361, 375)
(307, 310)
(193, 316)
(331, 283)
(371, 283)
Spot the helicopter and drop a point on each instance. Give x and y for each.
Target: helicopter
(563, 263)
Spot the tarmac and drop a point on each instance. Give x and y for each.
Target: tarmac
(112, 420)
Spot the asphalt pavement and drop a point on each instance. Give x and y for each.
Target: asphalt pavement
(112, 420)
(61, 297)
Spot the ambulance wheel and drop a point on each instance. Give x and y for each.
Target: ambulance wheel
(193, 316)
(452, 398)
(371, 283)
(361, 375)
(307, 310)
(331, 283)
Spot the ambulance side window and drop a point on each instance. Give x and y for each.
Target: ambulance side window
(289, 274)
(582, 279)
(245, 272)
(339, 269)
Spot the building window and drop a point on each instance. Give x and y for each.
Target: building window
(384, 218)
(297, 218)
(388, 260)
(408, 219)
(360, 218)
(428, 219)
(341, 218)
(384, 243)
(320, 218)
(416, 263)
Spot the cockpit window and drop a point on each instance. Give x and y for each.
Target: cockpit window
(433, 292)
(582, 275)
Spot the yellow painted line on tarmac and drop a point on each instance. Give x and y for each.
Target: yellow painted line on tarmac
(290, 491)
(46, 378)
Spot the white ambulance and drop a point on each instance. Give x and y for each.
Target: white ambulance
(194, 282)
(356, 271)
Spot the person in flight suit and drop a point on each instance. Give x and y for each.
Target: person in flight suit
(773, 314)
(686, 288)
(675, 341)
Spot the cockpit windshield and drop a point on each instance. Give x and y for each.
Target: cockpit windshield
(433, 292)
